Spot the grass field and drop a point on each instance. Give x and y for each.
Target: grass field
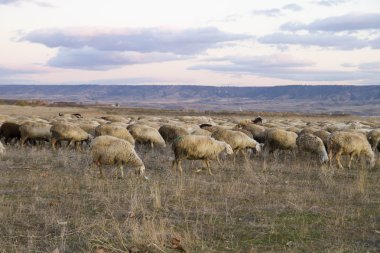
(55, 200)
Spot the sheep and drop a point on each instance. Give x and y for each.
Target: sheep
(324, 135)
(237, 140)
(2, 149)
(10, 131)
(280, 139)
(34, 131)
(201, 132)
(258, 132)
(171, 132)
(349, 143)
(374, 139)
(258, 120)
(68, 132)
(146, 134)
(197, 147)
(116, 131)
(110, 150)
(310, 143)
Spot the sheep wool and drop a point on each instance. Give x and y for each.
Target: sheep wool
(310, 143)
(197, 147)
(349, 143)
(146, 134)
(115, 131)
(110, 150)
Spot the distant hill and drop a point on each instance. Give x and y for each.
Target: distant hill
(318, 98)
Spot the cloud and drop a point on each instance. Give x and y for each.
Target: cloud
(275, 12)
(92, 59)
(331, 2)
(347, 22)
(292, 7)
(282, 67)
(16, 71)
(342, 42)
(18, 2)
(375, 43)
(145, 40)
(370, 66)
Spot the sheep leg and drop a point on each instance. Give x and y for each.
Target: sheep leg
(180, 167)
(244, 154)
(53, 143)
(209, 167)
(121, 170)
(174, 165)
(337, 156)
(331, 156)
(218, 160)
(100, 168)
(22, 141)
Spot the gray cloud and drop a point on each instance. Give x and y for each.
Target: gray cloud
(17, 2)
(342, 42)
(375, 43)
(9, 72)
(292, 7)
(189, 41)
(370, 66)
(348, 22)
(274, 12)
(331, 2)
(289, 69)
(91, 59)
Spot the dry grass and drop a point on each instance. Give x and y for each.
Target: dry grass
(56, 200)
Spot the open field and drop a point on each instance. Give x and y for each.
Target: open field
(276, 203)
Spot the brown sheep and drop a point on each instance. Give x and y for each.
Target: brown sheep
(10, 131)
(171, 132)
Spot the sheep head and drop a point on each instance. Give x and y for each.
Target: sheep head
(228, 149)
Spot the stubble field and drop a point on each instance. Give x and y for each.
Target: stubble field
(55, 200)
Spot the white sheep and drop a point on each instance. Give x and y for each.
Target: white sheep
(146, 134)
(109, 150)
(307, 142)
(115, 131)
(238, 141)
(197, 147)
(349, 143)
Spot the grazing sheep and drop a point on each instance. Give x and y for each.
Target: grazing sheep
(197, 147)
(324, 135)
(109, 150)
(201, 132)
(237, 140)
(68, 132)
(374, 138)
(280, 139)
(34, 131)
(171, 132)
(258, 132)
(2, 149)
(258, 120)
(310, 143)
(146, 134)
(115, 131)
(348, 143)
(10, 131)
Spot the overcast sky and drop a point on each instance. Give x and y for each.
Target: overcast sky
(205, 42)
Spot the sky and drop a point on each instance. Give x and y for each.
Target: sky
(197, 42)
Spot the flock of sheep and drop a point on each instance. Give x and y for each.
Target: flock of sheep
(112, 138)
